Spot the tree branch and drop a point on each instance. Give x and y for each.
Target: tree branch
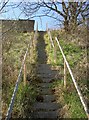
(50, 7)
(3, 6)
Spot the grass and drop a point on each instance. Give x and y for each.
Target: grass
(72, 52)
(13, 55)
(14, 49)
(71, 105)
(24, 100)
(69, 100)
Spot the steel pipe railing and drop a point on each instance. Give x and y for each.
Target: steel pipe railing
(66, 66)
(23, 66)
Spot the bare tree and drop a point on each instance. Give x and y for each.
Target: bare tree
(3, 3)
(72, 13)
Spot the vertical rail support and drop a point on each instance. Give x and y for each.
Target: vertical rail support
(25, 74)
(55, 54)
(47, 27)
(66, 65)
(36, 26)
(65, 74)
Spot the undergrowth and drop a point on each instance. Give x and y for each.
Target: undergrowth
(24, 100)
(71, 106)
(14, 48)
(75, 52)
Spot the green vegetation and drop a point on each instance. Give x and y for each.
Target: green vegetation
(24, 101)
(72, 52)
(14, 48)
(69, 100)
(75, 51)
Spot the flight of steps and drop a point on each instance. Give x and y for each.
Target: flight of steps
(42, 56)
(46, 106)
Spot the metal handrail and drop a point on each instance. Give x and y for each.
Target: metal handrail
(9, 111)
(51, 39)
(52, 46)
(8, 115)
(73, 79)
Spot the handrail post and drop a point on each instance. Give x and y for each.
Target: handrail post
(66, 64)
(65, 75)
(25, 74)
(36, 26)
(55, 54)
(9, 111)
(47, 27)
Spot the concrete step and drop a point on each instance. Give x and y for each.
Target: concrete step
(49, 98)
(50, 115)
(45, 106)
(43, 71)
(45, 98)
(46, 75)
(47, 80)
(44, 85)
(45, 91)
(44, 80)
(47, 72)
(44, 66)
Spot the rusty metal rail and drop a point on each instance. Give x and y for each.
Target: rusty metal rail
(66, 66)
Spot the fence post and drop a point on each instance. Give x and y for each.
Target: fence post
(46, 26)
(25, 74)
(55, 54)
(65, 74)
(36, 26)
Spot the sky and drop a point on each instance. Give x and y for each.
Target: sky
(42, 21)
(44, 0)
(16, 14)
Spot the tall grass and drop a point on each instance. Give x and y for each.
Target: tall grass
(74, 50)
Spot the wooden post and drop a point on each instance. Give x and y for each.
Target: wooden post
(36, 26)
(25, 74)
(65, 75)
(55, 54)
(46, 26)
